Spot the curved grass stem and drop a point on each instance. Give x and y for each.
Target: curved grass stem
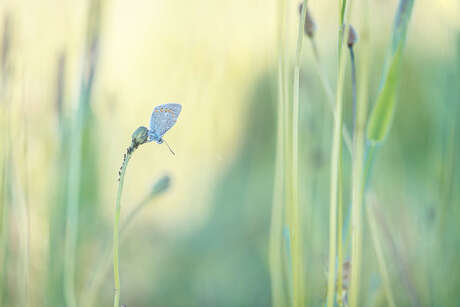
(105, 262)
(116, 232)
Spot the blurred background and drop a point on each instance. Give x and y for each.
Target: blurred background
(78, 77)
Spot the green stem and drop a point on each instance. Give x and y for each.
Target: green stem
(26, 216)
(72, 208)
(116, 232)
(340, 235)
(294, 210)
(334, 185)
(5, 121)
(4, 235)
(448, 175)
(380, 257)
(360, 167)
(353, 85)
(106, 261)
(371, 150)
(328, 91)
(276, 225)
(342, 12)
(335, 170)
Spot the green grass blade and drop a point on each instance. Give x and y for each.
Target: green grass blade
(381, 117)
(382, 114)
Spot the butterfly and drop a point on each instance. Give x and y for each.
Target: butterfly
(163, 118)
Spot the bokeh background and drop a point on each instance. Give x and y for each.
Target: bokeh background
(78, 77)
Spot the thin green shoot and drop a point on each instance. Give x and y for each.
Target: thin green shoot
(336, 157)
(296, 233)
(276, 225)
(380, 256)
(103, 267)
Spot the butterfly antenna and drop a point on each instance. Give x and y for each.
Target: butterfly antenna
(169, 147)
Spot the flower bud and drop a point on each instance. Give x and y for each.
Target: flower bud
(352, 36)
(140, 136)
(161, 186)
(310, 25)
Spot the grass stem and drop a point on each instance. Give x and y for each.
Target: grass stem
(106, 261)
(335, 166)
(353, 85)
(359, 171)
(276, 225)
(116, 232)
(340, 237)
(380, 257)
(72, 209)
(326, 85)
(295, 225)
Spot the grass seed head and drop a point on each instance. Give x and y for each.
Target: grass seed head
(352, 36)
(310, 25)
(161, 185)
(140, 136)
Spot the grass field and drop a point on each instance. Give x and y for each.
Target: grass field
(310, 169)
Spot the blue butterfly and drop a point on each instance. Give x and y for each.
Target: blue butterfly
(163, 118)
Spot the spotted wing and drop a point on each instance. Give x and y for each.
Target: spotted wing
(163, 118)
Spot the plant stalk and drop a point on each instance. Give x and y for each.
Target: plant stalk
(340, 235)
(328, 91)
(360, 171)
(72, 208)
(380, 257)
(276, 225)
(336, 156)
(294, 210)
(116, 232)
(106, 260)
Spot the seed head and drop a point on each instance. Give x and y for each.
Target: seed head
(140, 136)
(352, 36)
(162, 185)
(310, 25)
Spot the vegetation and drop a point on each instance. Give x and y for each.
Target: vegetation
(316, 154)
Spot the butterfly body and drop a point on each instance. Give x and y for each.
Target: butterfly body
(163, 118)
(154, 138)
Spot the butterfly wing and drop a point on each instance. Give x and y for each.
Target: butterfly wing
(163, 118)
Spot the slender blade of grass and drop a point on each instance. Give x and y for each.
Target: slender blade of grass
(381, 117)
(295, 224)
(383, 112)
(380, 257)
(336, 157)
(276, 226)
(340, 237)
(358, 163)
